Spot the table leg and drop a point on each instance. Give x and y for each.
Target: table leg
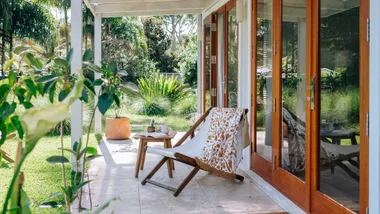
(139, 156)
(143, 155)
(169, 163)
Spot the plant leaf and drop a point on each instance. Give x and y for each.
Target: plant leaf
(9, 63)
(79, 186)
(12, 78)
(93, 68)
(123, 73)
(69, 56)
(50, 205)
(28, 105)
(62, 62)
(87, 55)
(4, 90)
(17, 124)
(98, 82)
(55, 195)
(26, 203)
(84, 97)
(88, 84)
(31, 86)
(117, 100)
(52, 92)
(57, 160)
(104, 103)
(36, 122)
(62, 95)
(47, 78)
(101, 208)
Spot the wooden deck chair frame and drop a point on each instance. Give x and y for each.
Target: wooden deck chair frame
(183, 159)
(6, 156)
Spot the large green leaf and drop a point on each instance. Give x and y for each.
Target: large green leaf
(69, 56)
(12, 77)
(4, 90)
(98, 82)
(26, 203)
(117, 100)
(62, 95)
(87, 55)
(50, 205)
(31, 86)
(104, 103)
(93, 68)
(7, 110)
(57, 160)
(52, 92)
(16, 122)
(9, 63)
(36, 122)
(47, 78)
(88, 84)
(123, 73)
(84, 97)
(62, 62)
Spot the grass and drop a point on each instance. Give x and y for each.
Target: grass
(41, 178)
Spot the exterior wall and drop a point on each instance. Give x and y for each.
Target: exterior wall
(244, 69)
(374, 134)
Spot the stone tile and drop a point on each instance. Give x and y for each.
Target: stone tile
(112, 176)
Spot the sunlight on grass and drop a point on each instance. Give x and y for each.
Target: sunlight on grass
(41, 178)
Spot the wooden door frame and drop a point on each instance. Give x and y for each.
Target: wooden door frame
(322, 203)
(259, 164)
(214, 66)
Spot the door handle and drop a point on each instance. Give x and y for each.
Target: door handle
(311, 88)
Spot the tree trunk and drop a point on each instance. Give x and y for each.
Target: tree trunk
(174, 25)
(3, 53)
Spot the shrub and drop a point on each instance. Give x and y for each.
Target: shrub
(161, 86)
(187, 107)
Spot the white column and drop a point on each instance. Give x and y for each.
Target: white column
(374, 115)
(98, 59)
(200, 63)
(76, 66)
(244, 70)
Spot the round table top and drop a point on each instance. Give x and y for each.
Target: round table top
(155, 135)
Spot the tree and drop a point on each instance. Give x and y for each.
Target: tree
(158, 45)
(24, 19)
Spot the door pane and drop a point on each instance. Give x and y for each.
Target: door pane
(208, 67)
(264, 79)
(339, 107)
(294, 88)
(232, 59)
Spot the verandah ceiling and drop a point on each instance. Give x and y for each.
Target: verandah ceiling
(118, 8)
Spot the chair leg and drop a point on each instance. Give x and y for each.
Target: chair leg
(348, 170)
(239, 177)
(186, 181)
(154, 170)
(169, 162)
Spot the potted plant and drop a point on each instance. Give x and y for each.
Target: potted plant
(112, 91)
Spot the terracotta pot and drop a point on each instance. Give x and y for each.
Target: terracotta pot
(118, 128)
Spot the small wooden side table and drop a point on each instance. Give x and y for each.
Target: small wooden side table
(143, 142)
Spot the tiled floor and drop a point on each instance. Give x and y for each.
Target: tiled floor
(112, 176)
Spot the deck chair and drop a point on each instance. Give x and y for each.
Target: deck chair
(331, 155)
(186, 152)
(6, 156)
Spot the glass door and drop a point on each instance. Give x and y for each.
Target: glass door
(262, 85)
(342, 107)
(231, 90)
(207, 65)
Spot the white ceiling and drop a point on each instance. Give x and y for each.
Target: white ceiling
(117, 8)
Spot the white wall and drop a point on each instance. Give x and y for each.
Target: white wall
(374, 134)
(244, 73)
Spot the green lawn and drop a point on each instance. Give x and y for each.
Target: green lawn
(41, 178)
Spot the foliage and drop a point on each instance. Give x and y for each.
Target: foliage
(111, 85)
(162, 86)
(187, 106)
(125, 43)
(31, 20)
(158, 45)
(188, 65)
(35, 123)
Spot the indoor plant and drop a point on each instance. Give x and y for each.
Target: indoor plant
(112, 89)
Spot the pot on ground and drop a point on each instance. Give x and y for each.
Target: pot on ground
(118, 128)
